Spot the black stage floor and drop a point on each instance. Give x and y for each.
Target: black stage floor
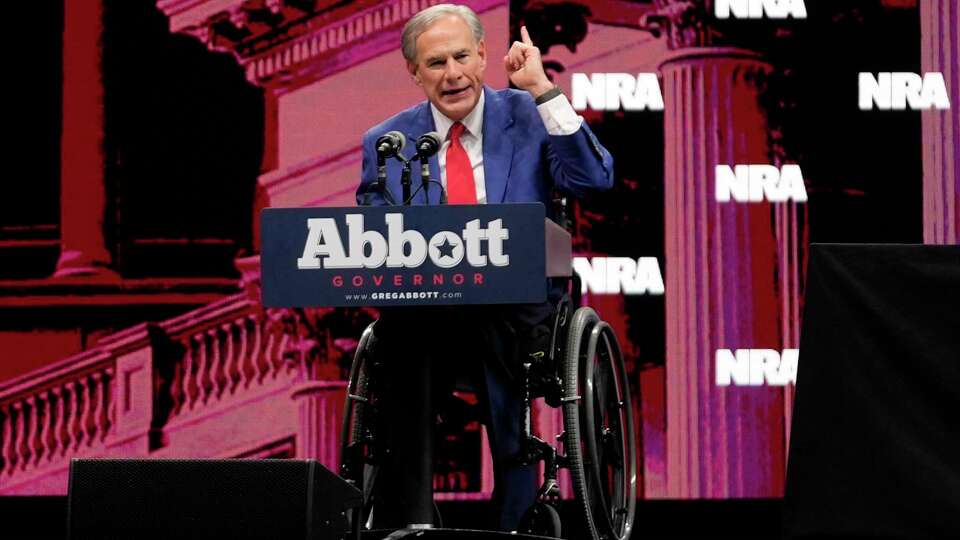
(44, 518)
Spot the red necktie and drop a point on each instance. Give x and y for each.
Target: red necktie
(461, 188)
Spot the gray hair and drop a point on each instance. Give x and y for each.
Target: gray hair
(419, 23)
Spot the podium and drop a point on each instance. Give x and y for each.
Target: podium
(462, 255)
(410, 255)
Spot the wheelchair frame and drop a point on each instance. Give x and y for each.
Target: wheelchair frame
(583, 373)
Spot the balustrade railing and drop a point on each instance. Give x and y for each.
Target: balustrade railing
(133, 384)
(233, 355)
(61, 416)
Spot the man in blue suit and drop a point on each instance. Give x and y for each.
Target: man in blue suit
(498, 146)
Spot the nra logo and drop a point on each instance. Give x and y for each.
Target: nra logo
(613, 275)
(757, 183)
(901, 90)
(400, 248)
(611, 91)
(759, 9)
(756, 367)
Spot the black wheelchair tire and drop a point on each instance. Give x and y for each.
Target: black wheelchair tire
(357, 414)
(585, 333)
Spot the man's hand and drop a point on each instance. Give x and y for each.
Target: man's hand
(524, 66)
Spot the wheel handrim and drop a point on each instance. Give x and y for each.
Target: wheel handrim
(610, 455)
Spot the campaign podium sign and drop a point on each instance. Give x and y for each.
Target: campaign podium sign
(410, 255)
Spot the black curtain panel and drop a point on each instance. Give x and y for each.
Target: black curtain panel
(875, 446)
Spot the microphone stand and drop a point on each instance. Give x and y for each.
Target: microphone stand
(425, 177)
(405, 180)
(380, 184)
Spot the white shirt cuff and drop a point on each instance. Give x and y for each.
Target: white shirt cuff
(559, 117)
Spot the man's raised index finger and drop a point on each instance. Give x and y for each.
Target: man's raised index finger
(525, 36)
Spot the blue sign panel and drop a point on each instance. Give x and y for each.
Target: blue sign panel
(403, 255)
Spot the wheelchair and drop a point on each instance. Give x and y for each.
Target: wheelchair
(582, 373)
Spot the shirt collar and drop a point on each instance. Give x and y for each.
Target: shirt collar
(473, 121)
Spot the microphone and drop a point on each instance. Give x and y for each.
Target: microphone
(428, 144)
(391, 143)
(387, 145)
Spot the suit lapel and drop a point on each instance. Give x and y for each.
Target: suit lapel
(497, 149)
(497, 146)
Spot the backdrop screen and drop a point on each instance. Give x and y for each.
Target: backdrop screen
(147, 136)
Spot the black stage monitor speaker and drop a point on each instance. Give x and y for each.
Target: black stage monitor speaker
(206, 499)
(875, 441)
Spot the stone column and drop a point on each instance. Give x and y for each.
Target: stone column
(722, 267)
(940, 50)
(82, 190)
(320, 409)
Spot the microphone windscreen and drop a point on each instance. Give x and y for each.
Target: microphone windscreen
(429, 143)
(401, 139)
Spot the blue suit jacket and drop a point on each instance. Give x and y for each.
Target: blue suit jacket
(521, 162)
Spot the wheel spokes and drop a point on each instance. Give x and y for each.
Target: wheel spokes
(600, 428)
(610, 488)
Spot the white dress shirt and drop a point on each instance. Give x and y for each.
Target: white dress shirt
(557, 114)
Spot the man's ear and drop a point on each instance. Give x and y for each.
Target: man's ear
(412, 68)
(482, 53)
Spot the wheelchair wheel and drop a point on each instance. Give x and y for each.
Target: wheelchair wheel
(357, 465)
(598, 424)
(541, 519)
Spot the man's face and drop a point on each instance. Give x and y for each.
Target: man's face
(449, 67)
